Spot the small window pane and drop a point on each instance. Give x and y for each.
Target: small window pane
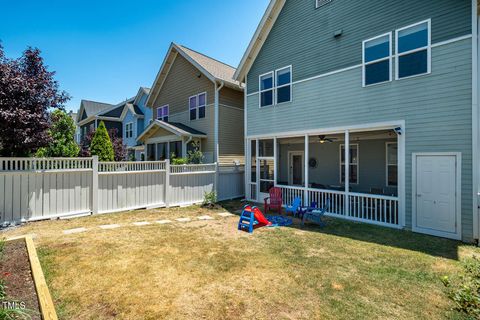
(413, 64)
(392, 153)
(283, 77)
(266, 98)
(150, 152)
(413, 38)
(392, 175)
(161, 152)
(266, 82)
(265, 148)
(377, 72)
(193, 102)
(165, 119)
(201, 112)
(202, 99)
(176, 149)
(284, 94)
(193, 114)
(377, 49)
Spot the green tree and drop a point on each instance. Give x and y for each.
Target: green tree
(61, 132)
(101, 144)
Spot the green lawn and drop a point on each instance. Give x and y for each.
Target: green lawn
(208, 269)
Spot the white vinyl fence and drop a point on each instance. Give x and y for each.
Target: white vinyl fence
(35, 189)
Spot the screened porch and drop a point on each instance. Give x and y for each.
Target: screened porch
(313, 167)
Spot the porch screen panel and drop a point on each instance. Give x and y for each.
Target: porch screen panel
(267, 174)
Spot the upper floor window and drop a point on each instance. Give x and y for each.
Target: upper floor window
(377, 60)
(413, 50)
(163, 113)
(266, 90)
(129, 130)
(276, 87)
(283, 82)
(197, 105)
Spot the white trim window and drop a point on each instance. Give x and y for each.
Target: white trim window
(197, 105)
(163, 113)
(266, 85)
(354, 160)
(377, 60)
(413, 50)
(392, 164)
(129, 130)
(275, 87)
(283, 85)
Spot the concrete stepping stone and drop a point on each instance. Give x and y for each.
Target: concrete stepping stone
(163, 221)
(205, 218)
(183, 219)
(73, 231)
(142, 223)
(225, 214)
(109, 226)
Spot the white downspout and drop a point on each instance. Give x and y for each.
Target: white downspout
(185, 146)
(216, 121)
(216, 129)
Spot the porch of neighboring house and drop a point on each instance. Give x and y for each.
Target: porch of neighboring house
(171, 140)
(313, 167)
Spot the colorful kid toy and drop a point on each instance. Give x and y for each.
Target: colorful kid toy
(253, 218)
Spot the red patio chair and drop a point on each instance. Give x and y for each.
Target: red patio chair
(274, 202)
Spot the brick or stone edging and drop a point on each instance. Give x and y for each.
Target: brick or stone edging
(44, 298)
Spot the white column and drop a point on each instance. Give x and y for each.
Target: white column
(94, 185)
(347, 172)
(275, 161)
(306, 156)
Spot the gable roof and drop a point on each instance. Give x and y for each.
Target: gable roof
(176, 128)
(261, 34)
(142, 91)
(91, 108)
(213, 69)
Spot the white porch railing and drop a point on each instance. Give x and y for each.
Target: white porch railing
(370, 208)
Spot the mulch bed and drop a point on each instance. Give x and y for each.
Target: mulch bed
(15, 269)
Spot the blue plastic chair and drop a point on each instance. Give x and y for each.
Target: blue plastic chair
(316, 215)
(295, 207)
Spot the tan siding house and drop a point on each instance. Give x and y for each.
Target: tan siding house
(195, 99)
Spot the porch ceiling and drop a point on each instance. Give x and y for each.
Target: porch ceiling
(355, 136)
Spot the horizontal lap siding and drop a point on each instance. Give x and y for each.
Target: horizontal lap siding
(303, 36)
(437, 110)
(231, 133)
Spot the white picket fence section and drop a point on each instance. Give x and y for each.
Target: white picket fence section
(35, 189)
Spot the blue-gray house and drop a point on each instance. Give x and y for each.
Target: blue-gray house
(368, 108)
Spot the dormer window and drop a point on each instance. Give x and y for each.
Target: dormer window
(163, 113)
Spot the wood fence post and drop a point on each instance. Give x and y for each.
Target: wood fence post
(95, 185)
(167, 183)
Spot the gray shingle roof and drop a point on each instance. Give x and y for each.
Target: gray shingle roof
(217, 69)
(185, 128)
(93, 107)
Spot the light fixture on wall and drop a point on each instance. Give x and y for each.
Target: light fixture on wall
(398, 131)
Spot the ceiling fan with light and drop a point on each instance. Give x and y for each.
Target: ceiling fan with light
(324, 139)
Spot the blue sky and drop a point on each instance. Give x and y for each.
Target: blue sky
(105, 50)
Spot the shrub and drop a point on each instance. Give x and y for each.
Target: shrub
(195, 156)
(209, 199)
(464, 289)
(61, 132)
(101, 144)
(179, 161)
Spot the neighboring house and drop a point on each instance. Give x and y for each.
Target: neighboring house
(366, 108)
(136, 117)
(195, 101)
(88, 117)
